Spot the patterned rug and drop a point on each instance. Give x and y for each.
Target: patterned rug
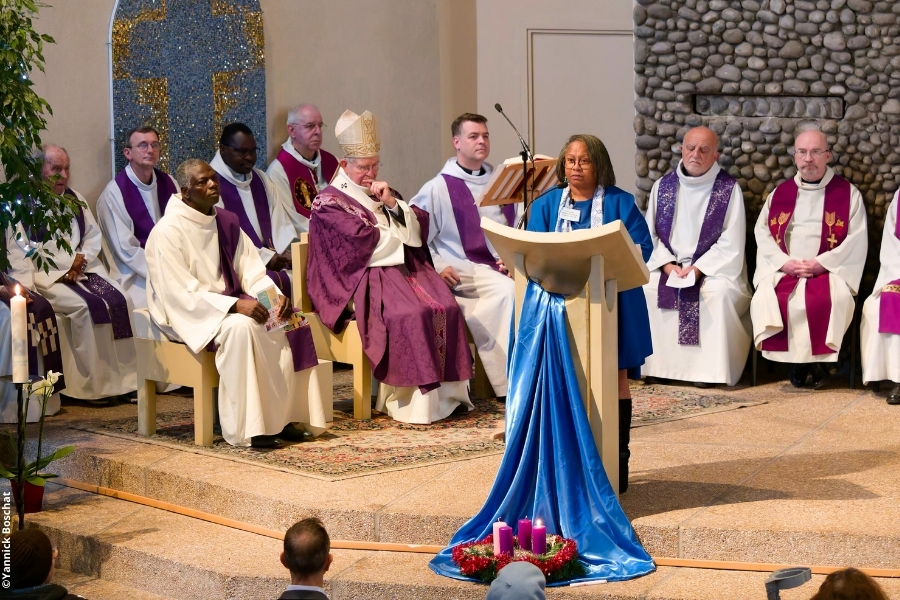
(353, 448)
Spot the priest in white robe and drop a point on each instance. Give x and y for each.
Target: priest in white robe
(93, 312)
(302, 168)
(462, 254)
(129, 207)
(204, 274)
(880, 329)
(812, 243)
(701, 333)
(263, 213)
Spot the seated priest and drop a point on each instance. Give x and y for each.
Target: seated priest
(129, 207)
(880, 328)
(43, 351)
(811, 250)
(461, 252)
(93, 312)
(201, 266)
(701, 333)
(302, 169)
(269, 222)
(367, 261)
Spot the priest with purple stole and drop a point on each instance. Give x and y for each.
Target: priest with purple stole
(129, 207)
(302, 169)
(263, 213)
(204, 274)
(367, 261)
(880, 328)
(812, 243)
(462, 254)
(701, 331)
(93, 312)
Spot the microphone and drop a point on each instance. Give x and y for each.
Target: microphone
(521, 139)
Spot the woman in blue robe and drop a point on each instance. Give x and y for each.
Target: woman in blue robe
(591, 200)
(551, 469)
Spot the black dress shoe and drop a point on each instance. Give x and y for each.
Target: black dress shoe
(798, 375)
(820, 376)
(263, 441)
(294, 434)
(894, 398)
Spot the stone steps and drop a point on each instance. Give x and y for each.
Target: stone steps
(111, 549)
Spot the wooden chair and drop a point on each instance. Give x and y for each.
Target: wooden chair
(346, 347)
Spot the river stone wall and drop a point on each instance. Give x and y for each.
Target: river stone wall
(753, 70)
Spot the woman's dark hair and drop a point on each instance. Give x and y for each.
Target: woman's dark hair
(850, 584)
(599, 158)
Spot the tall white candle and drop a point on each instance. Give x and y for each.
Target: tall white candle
(19, 317)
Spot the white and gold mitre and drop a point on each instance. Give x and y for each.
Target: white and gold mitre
(357, 134)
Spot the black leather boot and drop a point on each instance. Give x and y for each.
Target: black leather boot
(625, 406)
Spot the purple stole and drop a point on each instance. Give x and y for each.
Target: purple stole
(818, 291)
(303, 350)
(105, 303)
(134, 202)
(889, 302)
(468, 222)
(687, 300)
(231, 198)
(302, 179)
(44, 334)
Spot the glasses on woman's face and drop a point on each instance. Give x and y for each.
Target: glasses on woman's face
(584, 163)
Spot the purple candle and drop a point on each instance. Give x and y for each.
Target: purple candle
(524, 534)
(506, 540)
(539, 539)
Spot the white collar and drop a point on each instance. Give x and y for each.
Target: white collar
(700, 181)
(454, 170)
(180, 208)
(359, 193)
(225, 171)
(809, 187)
(312, 164)
(147, 187)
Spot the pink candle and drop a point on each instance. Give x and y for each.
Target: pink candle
(539, 538)
(497, 525)
(506, 540)
(524, 534)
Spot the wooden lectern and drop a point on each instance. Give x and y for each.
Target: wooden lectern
(589, 267)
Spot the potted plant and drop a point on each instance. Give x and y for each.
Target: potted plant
(26, 478)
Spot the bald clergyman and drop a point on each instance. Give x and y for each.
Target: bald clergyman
(701, 333)
(812, 243)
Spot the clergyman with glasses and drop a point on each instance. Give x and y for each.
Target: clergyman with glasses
(812, 244)
(368, 258)
(701, 332)
(266, 217)
(129, 207)
(302, 168)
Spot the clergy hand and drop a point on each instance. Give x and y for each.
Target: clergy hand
(382, 191)
(671, 269)
(503, 268)
(284, 307)
(252, 309)
(794, 268)
(813, 267)
(450, 277)
(278, 262)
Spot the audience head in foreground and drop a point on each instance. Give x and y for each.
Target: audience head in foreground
(849, 584)
(307, 554)
(31, 567)
(518, 581)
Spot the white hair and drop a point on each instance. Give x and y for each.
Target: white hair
(293, 117)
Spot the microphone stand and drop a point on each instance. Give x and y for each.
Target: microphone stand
(525, 154)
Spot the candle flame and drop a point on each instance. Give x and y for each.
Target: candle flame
(539, 523)
(18, 291)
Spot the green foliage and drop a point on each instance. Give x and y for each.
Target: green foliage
(33, 473)
(24, 196)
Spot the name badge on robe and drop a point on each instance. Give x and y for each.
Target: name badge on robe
(569, 214)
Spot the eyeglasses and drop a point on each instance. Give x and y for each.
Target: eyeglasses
(584, 163)
(144, 146)
(367, 168)
(811, 153)
(242, 151)
(310, 126)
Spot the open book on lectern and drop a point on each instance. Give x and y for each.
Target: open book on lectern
(507, 184)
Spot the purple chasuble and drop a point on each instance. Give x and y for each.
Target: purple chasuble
(303, 180)
(231, 198)
(104, 302)
(44, 334)
(468, 222)
(687, 300)
(303, 350)
(818, 291)
(889, 302)
(134, 202)
(412, 329)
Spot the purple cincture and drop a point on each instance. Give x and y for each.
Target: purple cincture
(468, 222)
(687, 300)
(134, 202)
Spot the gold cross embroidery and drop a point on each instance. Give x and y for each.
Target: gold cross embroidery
(297, 320)
(782, 219)
(830, 221)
